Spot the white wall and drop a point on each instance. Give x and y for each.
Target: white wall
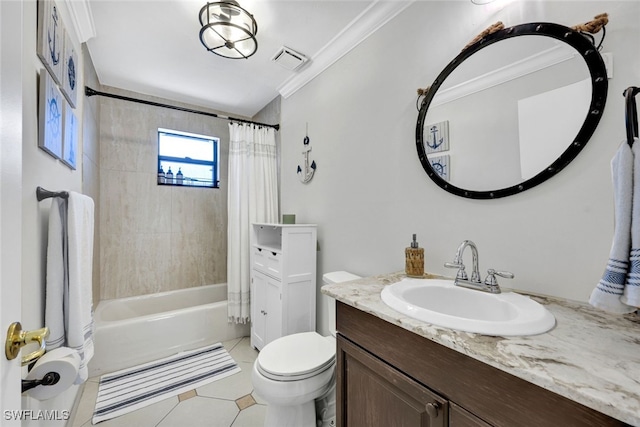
(370, 193)
(40, 169)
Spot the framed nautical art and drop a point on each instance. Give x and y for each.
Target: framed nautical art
(70, 137)
(440, 164)
(70, 71)
(437, 139)
(50, 38)
(50, 116)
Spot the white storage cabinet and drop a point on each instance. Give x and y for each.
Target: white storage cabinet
(283, 281)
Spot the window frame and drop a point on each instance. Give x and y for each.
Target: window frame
(215, 164)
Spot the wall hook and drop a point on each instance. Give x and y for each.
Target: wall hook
(309, 169)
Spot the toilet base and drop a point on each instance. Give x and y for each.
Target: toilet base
(326, 407)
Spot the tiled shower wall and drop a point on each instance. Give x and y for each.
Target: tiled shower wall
(156, 238)
(91, 162)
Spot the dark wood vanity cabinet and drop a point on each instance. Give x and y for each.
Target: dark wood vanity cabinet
(388, 376)
(380, 396)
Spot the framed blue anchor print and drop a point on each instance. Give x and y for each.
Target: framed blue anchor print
(50, 38)
(437, 137)
(50, 116)
(70, 137)
(70, 72)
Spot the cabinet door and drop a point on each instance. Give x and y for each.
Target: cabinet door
(373, 394)
(258, 303)
(460, 417)
(273, 310)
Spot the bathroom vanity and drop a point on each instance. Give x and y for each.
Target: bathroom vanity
(395, 370)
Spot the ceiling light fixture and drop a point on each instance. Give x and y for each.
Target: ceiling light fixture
(228, 30)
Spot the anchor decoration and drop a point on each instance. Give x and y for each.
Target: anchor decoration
(438, 137)
(54, 47)
(434, 142)
(306, 176)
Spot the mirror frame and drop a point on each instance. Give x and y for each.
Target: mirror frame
(599, 87)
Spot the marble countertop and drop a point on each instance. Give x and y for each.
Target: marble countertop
(590, 356)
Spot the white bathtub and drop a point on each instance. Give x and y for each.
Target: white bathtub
(134, 330)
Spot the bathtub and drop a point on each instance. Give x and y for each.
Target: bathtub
(134, 330)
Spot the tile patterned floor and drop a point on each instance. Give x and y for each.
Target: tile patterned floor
(228, 402)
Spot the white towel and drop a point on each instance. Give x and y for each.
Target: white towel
(631, 294)
(79, 314)
(56, 273)
(606, 295)
(68, 308)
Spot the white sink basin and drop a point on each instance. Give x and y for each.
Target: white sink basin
(441, 303)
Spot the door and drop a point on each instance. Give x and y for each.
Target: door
(374, 394)
(258, 303)
(10, 199)
(273, 310)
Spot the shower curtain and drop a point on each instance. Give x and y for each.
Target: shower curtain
(252, 197)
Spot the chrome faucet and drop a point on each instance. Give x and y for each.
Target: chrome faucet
(490, 284)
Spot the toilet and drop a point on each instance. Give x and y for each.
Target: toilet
(295, 374)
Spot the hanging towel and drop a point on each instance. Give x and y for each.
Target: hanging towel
(56, 273)
(631, 294)
(606, 295)
(68, 307)
(78, 313)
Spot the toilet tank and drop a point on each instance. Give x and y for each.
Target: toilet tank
(331, 278)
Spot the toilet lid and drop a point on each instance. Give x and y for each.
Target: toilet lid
(297, 356)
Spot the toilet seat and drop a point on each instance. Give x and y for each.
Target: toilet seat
(297, 357)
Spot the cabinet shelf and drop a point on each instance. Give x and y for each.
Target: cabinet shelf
(283, 281)
(269, 247)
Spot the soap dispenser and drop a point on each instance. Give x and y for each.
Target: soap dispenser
(414, 260)
(169, 176)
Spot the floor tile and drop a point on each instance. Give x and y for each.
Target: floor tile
(187, 395)
(213, 405)
(149, 416)
(232, 387)
(201, 411)
(87, 404)
(251, 417)
(245, 401)
(229, 345)
(243, 352)
(259, 400)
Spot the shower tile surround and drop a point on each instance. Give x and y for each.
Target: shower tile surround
(155, 238)
(590, 356)
(225, 403)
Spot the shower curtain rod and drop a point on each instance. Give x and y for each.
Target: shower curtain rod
(91, 92)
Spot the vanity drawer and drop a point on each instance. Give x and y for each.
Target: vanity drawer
(267, 262)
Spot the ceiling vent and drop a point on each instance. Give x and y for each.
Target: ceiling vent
(289, 58)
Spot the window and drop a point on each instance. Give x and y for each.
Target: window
(187, 159)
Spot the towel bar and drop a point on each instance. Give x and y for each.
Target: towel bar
(42, 194)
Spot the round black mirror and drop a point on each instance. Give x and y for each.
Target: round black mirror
(504, 117)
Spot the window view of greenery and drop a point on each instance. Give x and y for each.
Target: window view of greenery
(187, 159)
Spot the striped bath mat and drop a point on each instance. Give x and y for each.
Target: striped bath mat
(129, 389)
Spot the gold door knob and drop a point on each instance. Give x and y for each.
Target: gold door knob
(17, 338)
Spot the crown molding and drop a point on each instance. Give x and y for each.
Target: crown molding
(81, 18)
(368, 22)
(539, 61)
